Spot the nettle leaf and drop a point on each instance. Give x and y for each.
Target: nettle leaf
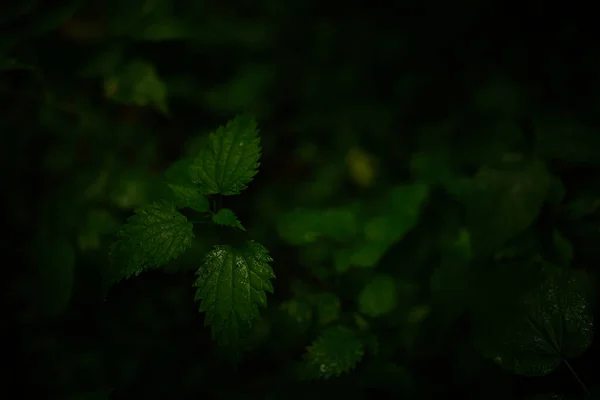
(227, 217)
(335, 352)
(553, 323)
(505, 200)
(231, 286)
(378, 297)
(154, 236)
(229, 161)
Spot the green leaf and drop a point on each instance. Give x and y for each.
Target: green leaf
(188, 196)
(397, 213)
(137, 83)
(227, 217)
(231, 286)
(182, 191)
(378, 297)
(505, 200)
(230, 160)
(335, 352)
(151, 238)
(552, 323)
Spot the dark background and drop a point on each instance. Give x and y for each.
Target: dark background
(324, 81)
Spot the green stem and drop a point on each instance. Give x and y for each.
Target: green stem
(583, 386)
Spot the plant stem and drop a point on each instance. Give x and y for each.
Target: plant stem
(583, 386)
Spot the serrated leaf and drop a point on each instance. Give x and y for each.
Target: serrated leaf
(227, 217)
(552, 323)
(151, 238)
(230, 160)
(378, 297)
(335, 352)
(137, 83)
(232, 285)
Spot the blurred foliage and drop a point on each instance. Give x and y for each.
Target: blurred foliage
(428, 191)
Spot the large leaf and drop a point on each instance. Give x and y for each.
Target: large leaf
(230, 159)
(553, 322)
(151, 238)
(231, 286)
(505, 200)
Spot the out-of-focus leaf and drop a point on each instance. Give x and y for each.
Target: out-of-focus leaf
(552, 323)
(335, 352)
(137, 83)
(378, 297)
(504, 201)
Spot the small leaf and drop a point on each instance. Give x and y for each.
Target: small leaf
(231, 286)
(378, 297)
(230, 160)
(151, 238)
(553, 322)
(335, 352)
(227, 217)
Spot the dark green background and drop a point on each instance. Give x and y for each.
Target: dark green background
(464, 78)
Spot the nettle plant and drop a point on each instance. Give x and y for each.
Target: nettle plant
(501, 266)
(233, 279)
